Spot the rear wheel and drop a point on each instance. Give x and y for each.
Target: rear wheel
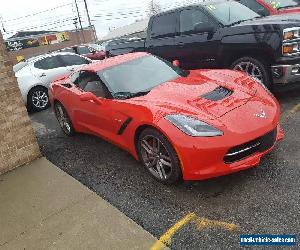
(63, 119)
(38, 99)
(159, 157)
(255, 68)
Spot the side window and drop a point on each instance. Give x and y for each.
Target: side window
(190, 18)
(71, 50)
(75, 77)
(164, 25)
(50, 62)
(91, 82)
(70, 60)
(82, 50)
(255, 6)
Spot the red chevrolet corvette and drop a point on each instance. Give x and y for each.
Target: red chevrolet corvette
(193, 125)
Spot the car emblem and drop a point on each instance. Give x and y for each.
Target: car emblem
(262, 114)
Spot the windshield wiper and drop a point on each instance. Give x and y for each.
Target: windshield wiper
(127, 95)
(238, 22)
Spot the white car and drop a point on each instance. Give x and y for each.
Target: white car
(35, 75)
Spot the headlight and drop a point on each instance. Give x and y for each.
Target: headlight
(291, 41)
(290, 34)
(192, 126)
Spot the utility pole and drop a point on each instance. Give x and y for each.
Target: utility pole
(79, 19)
(76, 27)
(89, 20)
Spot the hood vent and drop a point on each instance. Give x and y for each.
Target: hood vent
(217, 94)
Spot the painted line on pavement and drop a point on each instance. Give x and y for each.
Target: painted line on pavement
(201, 223)
(165, 239)
(291, 112)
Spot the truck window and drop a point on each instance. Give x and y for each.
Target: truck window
(164, 25)
(189, 18)
(255, 6)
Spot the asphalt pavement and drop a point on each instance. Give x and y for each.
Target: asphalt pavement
(261, 200)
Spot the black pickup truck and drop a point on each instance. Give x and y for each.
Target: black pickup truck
(224, 34)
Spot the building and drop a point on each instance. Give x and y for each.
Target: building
(18, 143)
(26, 44)
(137, 29)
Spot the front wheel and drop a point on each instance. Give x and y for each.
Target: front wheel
(254, 68)
(63, 119)
(159, 157)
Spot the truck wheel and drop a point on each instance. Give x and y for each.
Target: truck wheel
(255, 68)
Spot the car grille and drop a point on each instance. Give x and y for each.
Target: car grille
(260, 144)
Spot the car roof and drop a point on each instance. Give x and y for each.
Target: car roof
(113, 61)
(37, 58)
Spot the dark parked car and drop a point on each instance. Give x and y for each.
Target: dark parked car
(223, 34)
(88, 51)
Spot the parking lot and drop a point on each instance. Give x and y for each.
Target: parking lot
(207, 214)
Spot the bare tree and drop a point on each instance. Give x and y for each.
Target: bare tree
(154, 8)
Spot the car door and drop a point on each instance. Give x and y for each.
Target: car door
(93, 117)
(160, 41)
(72, 62)
(196, 44)
(49, 68)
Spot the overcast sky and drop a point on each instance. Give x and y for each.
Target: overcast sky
(59, 14)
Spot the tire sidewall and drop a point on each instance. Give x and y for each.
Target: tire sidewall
(72, 131)
(176, 174)
(30, 104)
(261, 64)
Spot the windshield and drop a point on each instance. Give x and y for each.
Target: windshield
(276, 4)
(139, 75)
(231, 12)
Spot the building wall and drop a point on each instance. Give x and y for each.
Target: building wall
(75, 38)
(18, 144)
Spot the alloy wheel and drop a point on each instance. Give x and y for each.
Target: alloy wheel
(156, 157)
(251, 69)
(63, 119)
(40, 99)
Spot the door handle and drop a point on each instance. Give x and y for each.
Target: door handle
(42, 75)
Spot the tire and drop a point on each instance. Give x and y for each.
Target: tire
(63, 119)
(257, 68)
(161, 161)
(38, 99)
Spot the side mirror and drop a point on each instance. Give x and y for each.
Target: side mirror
(89, 96)
(176, 63)
(204, 27)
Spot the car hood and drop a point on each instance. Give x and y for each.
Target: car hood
(289, 10)
(208, 94)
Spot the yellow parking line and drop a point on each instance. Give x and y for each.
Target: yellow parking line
(206, 223)
(295, 109)
(166, 237)
(200, 222)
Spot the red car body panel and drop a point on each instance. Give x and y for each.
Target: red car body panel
(200, 157)
(274, 11)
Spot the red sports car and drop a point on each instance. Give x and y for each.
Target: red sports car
(194, 124)
(272, 7)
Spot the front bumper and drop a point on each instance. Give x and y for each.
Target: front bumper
(285, 73)
(209, 163)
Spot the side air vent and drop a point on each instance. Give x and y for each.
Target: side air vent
(217, 94)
